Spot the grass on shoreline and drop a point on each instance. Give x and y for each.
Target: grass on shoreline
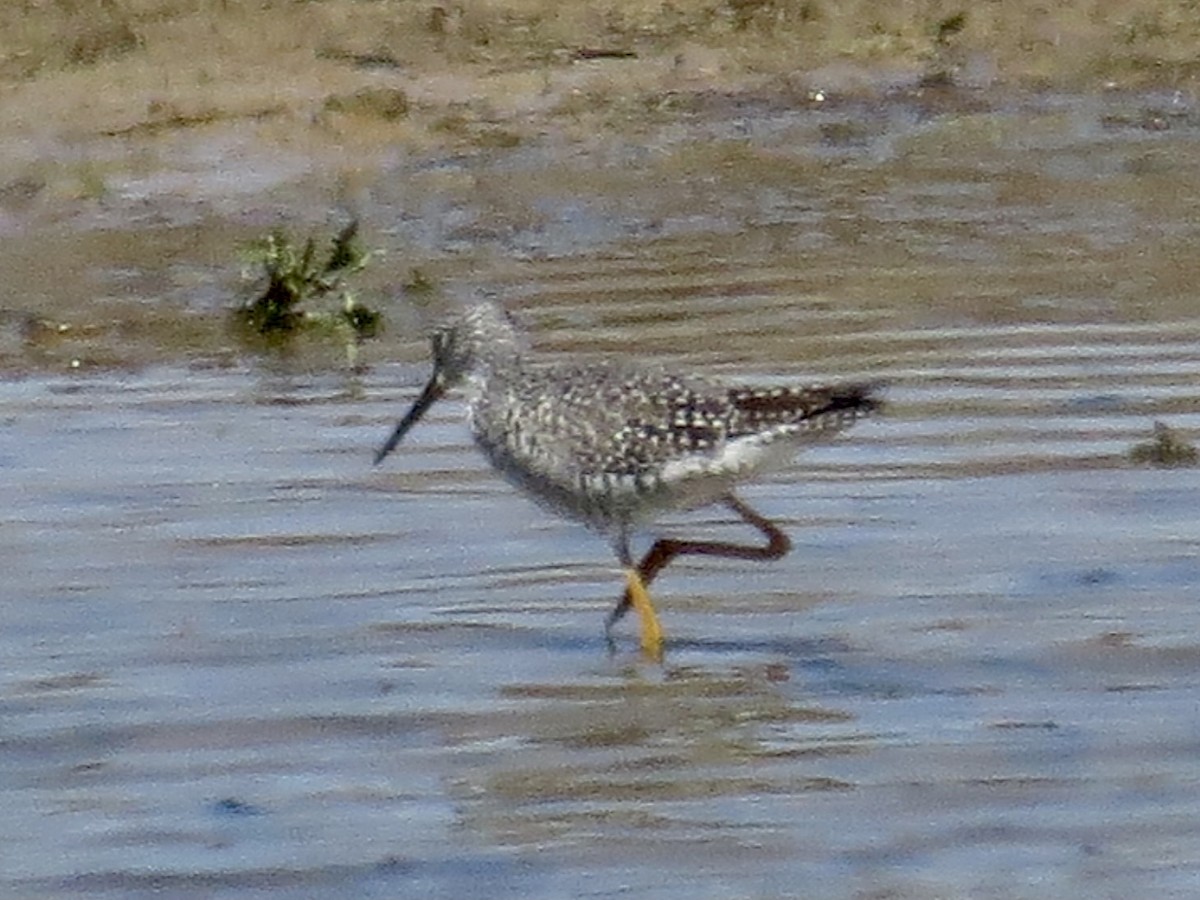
(185, 61)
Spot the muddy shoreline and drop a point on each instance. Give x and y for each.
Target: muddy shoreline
(145, 144)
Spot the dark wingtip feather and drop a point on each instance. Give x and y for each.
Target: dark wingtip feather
(822, 408)
(861, 396)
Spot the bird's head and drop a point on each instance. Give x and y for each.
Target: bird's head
(462, 346)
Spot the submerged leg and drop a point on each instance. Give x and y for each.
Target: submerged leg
(666, 549)
(638, 597)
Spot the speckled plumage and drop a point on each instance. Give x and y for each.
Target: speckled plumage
(615, 444)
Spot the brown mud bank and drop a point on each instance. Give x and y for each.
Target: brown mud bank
(147, 141)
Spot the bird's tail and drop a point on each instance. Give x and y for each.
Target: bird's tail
(816, 409)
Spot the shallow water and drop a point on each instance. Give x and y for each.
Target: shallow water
(240, 661)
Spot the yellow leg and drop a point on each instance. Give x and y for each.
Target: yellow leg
(652, 634)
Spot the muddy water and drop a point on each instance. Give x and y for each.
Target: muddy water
(239, 661)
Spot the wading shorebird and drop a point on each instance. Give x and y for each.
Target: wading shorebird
(615, 444)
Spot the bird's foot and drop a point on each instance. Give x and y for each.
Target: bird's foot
(639, 598)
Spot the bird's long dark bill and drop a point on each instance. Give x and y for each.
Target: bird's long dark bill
(432, 393)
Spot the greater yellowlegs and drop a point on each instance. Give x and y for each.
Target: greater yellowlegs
(614, 444)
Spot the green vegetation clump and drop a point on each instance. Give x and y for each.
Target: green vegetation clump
(1166, 449)
(308, 292)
